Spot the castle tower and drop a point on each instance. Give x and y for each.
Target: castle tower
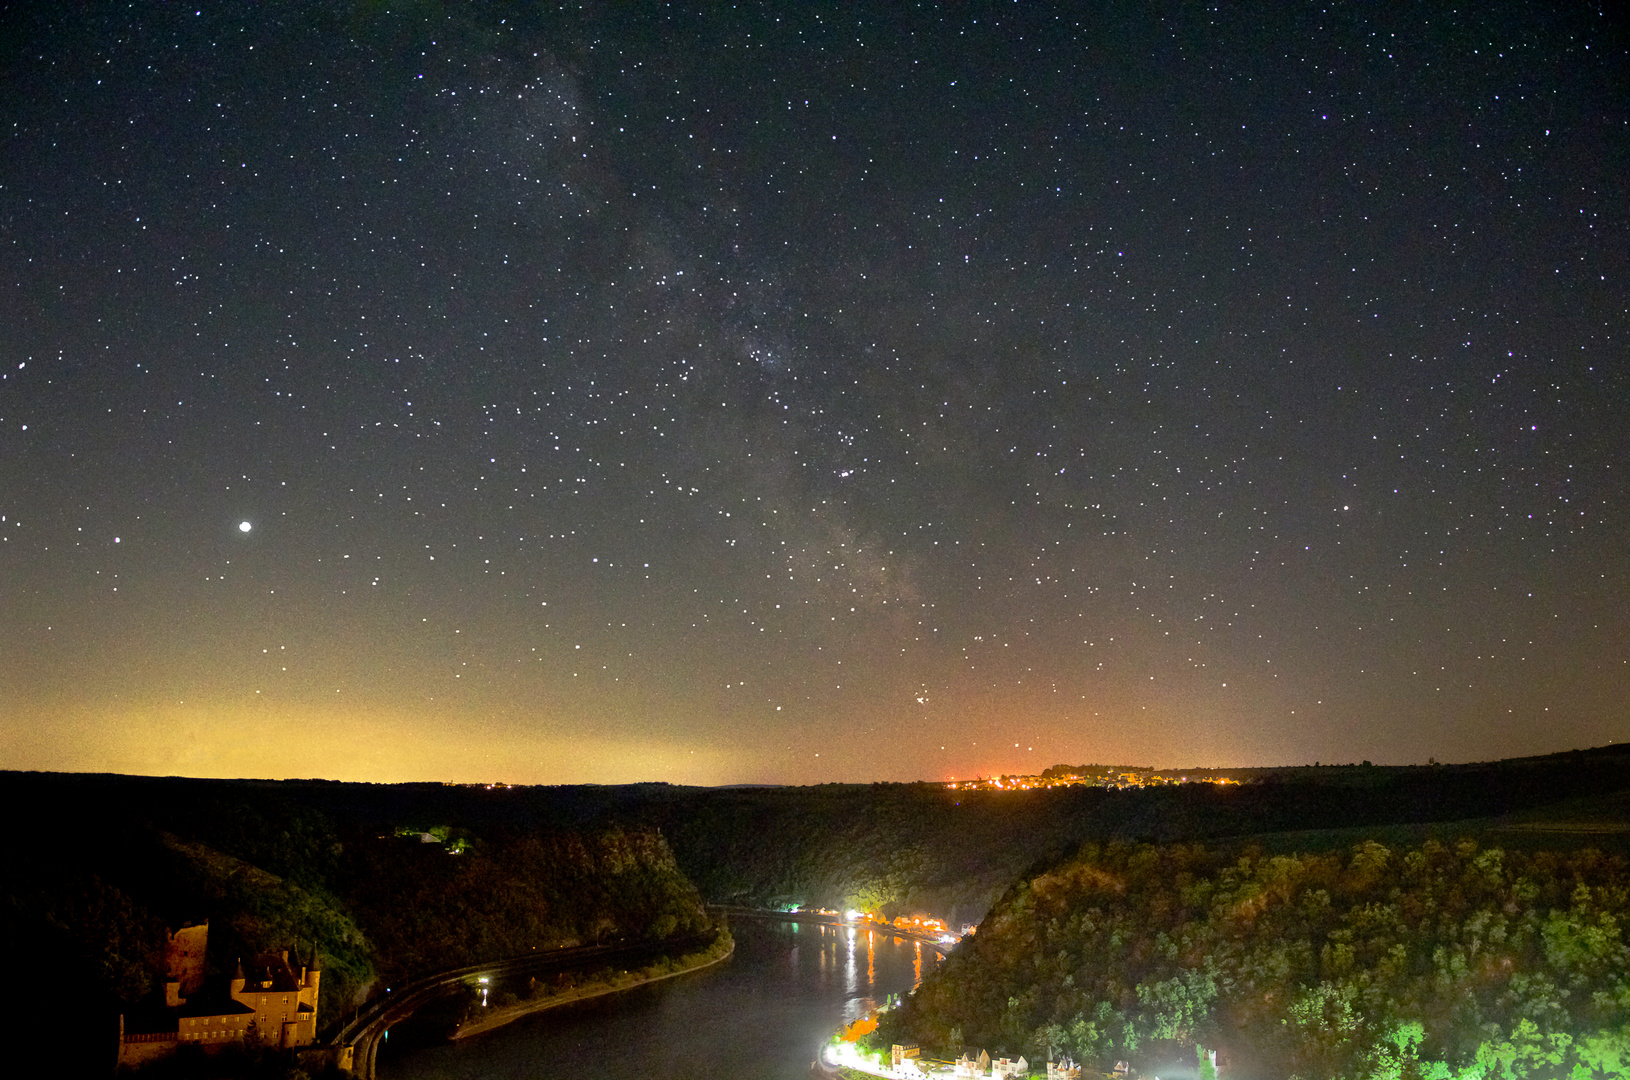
(184, 959)
(310, 978)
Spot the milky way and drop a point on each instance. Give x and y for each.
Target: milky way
(802, 393)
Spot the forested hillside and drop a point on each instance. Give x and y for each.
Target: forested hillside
(891, 848)
(340, 873)
(918, 847)
(1437, 961)
(428, 910)
(110, 863)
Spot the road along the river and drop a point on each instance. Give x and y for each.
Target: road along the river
(363, 1034)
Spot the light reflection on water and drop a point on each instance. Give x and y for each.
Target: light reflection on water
(758, 1016)
(849, 983)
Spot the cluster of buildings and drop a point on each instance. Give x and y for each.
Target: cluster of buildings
(928, 926)
(999, 1069)
(268, 1001)
(905, 1060)
(1108, 776)
(920, 925)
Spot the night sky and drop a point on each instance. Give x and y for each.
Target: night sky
(795, 393)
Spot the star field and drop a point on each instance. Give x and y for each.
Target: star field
(791, 393)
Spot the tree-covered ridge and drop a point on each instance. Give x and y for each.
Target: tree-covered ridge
(427, 909)
(1444, 961)
(107, 863)
(893, 848)
(113, 863)
(902, 848)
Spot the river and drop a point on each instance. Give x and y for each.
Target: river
(760, 1015)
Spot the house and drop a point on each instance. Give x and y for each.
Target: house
(969, 1066)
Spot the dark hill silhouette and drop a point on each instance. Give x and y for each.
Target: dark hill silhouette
(102, 863)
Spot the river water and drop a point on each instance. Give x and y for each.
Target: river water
(760, 1015)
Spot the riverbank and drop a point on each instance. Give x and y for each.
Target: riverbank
(933, 941)
(761, 1016)
(497, 1016)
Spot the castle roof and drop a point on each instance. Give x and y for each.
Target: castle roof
(270, 973)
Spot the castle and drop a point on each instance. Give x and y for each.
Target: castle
(267, 1000)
